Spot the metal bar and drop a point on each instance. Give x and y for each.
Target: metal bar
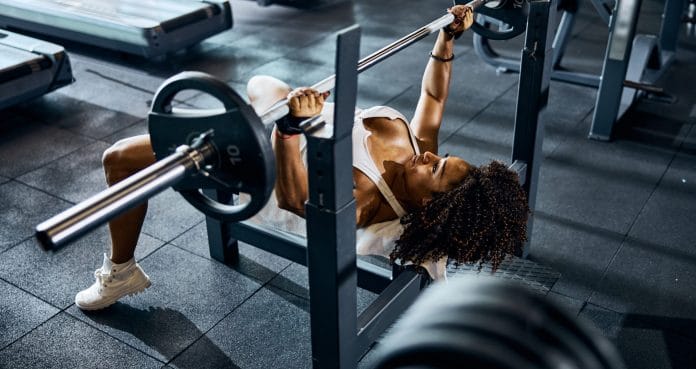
(283, 244)
(222, 246)
(280, 109)
(671, 23)
(332, 271)
(604, 9)
(623, 30)
(532, 97)
(485, 51)
(390, 304)
(647, 87)
(563, 35)
(520, 167)
(371, 277)
(330, 211)
(576, 78)
(100, 208)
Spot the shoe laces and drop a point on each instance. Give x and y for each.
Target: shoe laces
(103, 278)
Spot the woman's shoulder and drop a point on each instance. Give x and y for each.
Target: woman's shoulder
(382, 111)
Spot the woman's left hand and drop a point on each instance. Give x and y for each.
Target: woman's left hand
(306, 102)
(463, 18)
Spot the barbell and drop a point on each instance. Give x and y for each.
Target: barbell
(224, 150)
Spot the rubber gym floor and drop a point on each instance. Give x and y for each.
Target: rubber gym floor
(614, 220)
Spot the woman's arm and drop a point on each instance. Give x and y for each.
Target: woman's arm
(436, 78)
(291, 174)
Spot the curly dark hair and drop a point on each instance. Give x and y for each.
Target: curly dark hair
(483, 219)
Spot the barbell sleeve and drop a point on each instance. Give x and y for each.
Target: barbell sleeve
(280, 109)
(104, 206)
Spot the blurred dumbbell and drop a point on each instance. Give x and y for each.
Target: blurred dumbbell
(480, 323)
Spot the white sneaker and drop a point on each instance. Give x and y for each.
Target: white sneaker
(113, 281)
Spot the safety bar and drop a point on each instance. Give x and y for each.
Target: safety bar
(294, 248)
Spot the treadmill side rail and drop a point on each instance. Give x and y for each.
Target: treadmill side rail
(30, 68)
(150, 28)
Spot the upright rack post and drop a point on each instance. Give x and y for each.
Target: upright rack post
(533, 96)
(222, 245)
(623, 25)
(330, 212)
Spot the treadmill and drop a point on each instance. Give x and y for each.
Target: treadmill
(150, 28)
(30, 68)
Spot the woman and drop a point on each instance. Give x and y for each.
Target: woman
(416, 206)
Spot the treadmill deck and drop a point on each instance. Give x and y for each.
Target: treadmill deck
(144, 27)
(30, 68)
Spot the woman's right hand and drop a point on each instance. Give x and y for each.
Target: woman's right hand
(306, 102)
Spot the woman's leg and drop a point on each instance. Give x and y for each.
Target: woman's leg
(264, 91)
(130, 155)
(119, 274)
(123, 159)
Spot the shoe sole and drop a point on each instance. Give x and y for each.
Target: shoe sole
(136, 291)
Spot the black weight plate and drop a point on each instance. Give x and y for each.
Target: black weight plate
(243, 160)
(511, 12)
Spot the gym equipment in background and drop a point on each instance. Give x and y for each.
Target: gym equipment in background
(150, 28)
(632, 63)
(568, 9)
(484, 323)
(30, 68)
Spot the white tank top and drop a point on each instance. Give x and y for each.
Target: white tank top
(376, 239)
(361, 155)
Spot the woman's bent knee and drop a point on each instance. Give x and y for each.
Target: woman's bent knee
(264, 91)
(126, 157)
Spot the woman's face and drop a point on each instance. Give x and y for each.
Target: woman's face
(428, 173)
